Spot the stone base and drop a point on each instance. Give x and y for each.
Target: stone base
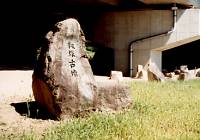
(113, 95)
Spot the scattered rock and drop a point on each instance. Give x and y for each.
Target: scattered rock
(154, 74)
(198, 74)
(116, 75)
(177, 72)
(141, 73)
(169, 74)
(188, 75)
(183, 68)
(182, 76)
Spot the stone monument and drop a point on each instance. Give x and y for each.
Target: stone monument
(63, 81)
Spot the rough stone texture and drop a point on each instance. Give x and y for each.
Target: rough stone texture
(63, 80)
(177, 72)
(182, 76)
(116, 75)
(113, 95)
(188, 75)
(198, 73)
(184, 68)
(141, 73)
(174, 77)
(169, 74)
(154, 74)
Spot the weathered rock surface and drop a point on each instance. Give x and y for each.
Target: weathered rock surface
(154, 74)
(141, 73)
(116, 75)
(184, 68)
(63, 80)
(188, 75)
(198, 73)
(113, 95)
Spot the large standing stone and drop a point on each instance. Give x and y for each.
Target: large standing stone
(63, 80)
(154, 74)
(188, 75)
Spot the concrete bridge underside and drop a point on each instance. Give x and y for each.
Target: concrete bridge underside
(118, 29)
(188, 3)
(187, 54)
(109, 23)
(183, 2)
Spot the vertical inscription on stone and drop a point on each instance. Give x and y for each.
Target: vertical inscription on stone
(63, 80)
(72, 61)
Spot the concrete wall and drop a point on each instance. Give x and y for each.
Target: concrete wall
(156, 57)
(187, 30)
(199, 24)
(118, 29)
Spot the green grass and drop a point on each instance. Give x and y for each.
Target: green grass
(160, 111)
(90, 51)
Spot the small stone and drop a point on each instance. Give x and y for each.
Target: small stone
(116, 75)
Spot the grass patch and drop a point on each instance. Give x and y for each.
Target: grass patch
(168, 110)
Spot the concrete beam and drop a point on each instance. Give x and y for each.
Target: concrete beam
(111, 2)
(182, 2)
(178, 43)
(93, 2)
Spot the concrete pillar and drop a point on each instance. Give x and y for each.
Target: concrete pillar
(121, 63)
(156, 58)
(199, 22)
(140, 57)
(118, 29)
(145, 57)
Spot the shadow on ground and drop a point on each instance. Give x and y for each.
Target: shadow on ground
(16, 67)
(32, 110)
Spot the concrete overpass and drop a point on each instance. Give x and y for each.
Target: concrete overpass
(147, 25)
(182, 2)
(119, 2)
(140, 36)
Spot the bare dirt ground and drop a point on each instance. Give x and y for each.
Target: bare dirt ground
(18, 111)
